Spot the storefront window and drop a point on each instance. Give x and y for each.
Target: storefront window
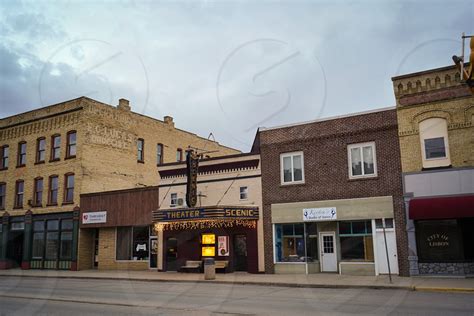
(356, 240)
(132, 243)
(290, 242)
(51, 245)
(52, 238)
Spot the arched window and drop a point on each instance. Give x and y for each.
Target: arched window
(434, 143)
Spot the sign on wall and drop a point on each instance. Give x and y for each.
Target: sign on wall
(319, 214)
(187, 214)
(94, 217)
(223, 246)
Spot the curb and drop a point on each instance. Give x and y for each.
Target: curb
(443, 289)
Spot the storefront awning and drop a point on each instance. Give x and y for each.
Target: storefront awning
(442, 207)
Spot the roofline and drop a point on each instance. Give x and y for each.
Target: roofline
(177, 163)
(424, 72)
(263, 129)
(147, 188)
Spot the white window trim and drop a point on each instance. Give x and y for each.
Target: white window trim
(171, 200)
(349, 160)
(246, 193)
(282, 175)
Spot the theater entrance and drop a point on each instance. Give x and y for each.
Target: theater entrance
(240, 253)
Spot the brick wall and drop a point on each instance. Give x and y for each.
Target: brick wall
(324, 145)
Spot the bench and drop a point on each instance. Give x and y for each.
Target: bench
(191, 265)
(222, 265)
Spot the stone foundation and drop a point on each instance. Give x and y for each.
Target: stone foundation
(452, 268)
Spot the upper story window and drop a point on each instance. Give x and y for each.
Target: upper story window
(179, 154)
(140, 150)
(19, 192)
(244, 193)
(69, 188)
(174, 199)
(55, 147)
(434, 143)
(38, 192)
(362, 160)
(53, 190)
(292, 167)
(21, 154)
(159, 154)
(40, 150)
(71, 144)
(4, 152)
(3, 193)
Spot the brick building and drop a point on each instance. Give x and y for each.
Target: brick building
(435, 113)
(329, 187)
(49, 156)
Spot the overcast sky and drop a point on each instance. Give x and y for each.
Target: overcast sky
(223, 67)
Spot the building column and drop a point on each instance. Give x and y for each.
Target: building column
(27, 240)
(75, 237)
(4, 262)
(411, 236)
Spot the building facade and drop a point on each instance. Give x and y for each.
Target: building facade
(435, 113)
(329, 188)
(49, 156)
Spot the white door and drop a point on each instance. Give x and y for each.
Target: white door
(382, 253)
(328, 252)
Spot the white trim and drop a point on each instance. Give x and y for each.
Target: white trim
(291, 155)
(330, 118)
(320, 248)
(374, 245)
(349, 160)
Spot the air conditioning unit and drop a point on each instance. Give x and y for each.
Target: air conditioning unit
(180, 202)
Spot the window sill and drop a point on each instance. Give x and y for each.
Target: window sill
(39, 162)
(68, 203)
(1, 169)
(69, 157)
(36, 205)
(51, 204)
(131, 260)
(54, 160)
(21, 166)
(292, 184)
(363, 178)
(19, 207)
(140, 161)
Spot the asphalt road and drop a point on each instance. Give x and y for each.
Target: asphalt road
(41, 296)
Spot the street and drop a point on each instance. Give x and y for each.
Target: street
(28, 296)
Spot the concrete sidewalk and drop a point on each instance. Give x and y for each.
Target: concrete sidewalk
(321, 280)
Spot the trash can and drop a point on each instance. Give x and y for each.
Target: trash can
(209, 269)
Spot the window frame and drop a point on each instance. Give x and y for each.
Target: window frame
(17, 203)
(246, 192)
(160, 155)
(3, 159)
(38, 150)
(282, 168)
(131, 232)
(69, 145)
(53, 148)
(50, 191)
(171, 199)
(21, 155)
(3, 197)
(66, 188)
(179, 152)
(361, 147)
(141, 152)
(35, 192)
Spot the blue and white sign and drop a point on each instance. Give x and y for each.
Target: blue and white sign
(319, 214)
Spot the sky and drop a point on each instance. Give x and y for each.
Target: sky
(223, 67)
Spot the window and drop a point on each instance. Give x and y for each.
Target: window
(3, 192)
(40, 150)
(21, 154)
(296, 242)
(179, 154)
(38, 192)
(356, 240)
(380, 221)
(132, 243)
(140, 150)
(244, 193)
(71, 144)
(434, 148)
(65, 243)
(292, 168)
(19, 192)
(69, 188)
(4, 157)
(174, 199)
(159, 154)
(434, 143)
(53, 190)
(362, 160)
(52, 239)
(55, 147)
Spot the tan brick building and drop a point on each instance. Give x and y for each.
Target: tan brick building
(51, 155)
(435, 112)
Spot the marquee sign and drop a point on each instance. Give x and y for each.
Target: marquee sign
(192, 163)
(187, 214)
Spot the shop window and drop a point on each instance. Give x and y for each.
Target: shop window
(55, 147)
(244, 193)
(38, 192)
(179, 154)
(40, 150)
(69, 188)
(71, 140)
(362, 160)
(140, 150)
(356, 240)
(293, 245)
(132, 243)
(434, 142)
(292, 168)
(159, 154)
(4, 152)
(38, 239)
(174, 199)
(21, 161)
(53, 190)
(19, 192)
(3, 192)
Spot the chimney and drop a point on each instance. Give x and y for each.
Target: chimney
(169, 120)
(124, 105)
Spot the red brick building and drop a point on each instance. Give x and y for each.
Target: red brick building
(329, 187)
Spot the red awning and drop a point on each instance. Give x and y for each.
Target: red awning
(442, 207)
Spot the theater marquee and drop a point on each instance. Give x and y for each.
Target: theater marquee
(215, 213)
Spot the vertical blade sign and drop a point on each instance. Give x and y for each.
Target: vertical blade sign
(192, 162)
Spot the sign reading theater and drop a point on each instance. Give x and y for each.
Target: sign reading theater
(205, 213)
(94, 217)
(319, 214)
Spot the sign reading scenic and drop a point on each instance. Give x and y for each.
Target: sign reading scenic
(319, 214)
(94, 217)
(192, 163)
(205, 213)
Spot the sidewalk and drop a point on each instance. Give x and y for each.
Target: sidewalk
(445, 284)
